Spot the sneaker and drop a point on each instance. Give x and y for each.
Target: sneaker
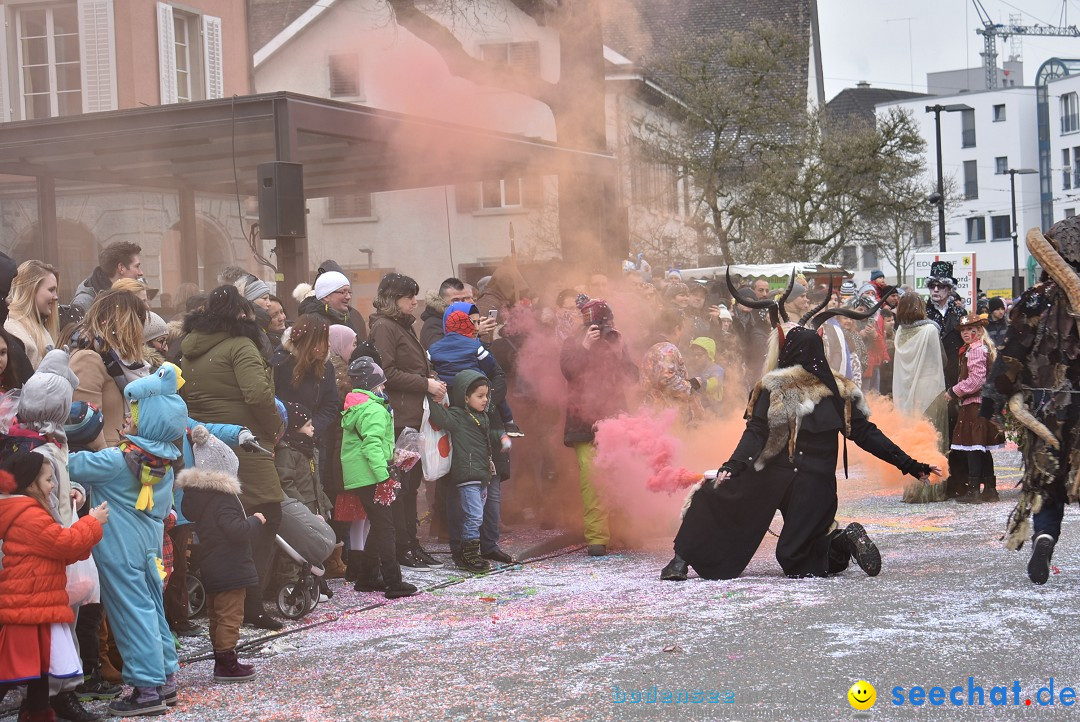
(168, 691)
(513, 430)
(142, 702)
(1039, 565)
(422, 555)
(264, 621)
(597, 550)
(187, 629)
(409, 560)
(95, 688)
(66, 706)
(498, 555)
(470, 556)
(863, 550)
(397, 590)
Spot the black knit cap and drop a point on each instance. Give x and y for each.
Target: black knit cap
(298, 416)
(24, 466)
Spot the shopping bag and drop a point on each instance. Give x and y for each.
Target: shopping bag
(83, 583)
(436, 452)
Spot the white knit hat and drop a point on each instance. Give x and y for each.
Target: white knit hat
(725, 315)
(329, 282)
(211, 454)
(155, 327)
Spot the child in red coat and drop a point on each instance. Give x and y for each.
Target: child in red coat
(35, 614)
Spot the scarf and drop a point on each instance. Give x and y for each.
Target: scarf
(147, 468)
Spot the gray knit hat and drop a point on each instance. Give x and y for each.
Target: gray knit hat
(155, 327)
(211, 454)
(45, 400)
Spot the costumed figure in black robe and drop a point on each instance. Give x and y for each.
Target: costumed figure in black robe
(786, 460)
(1037, 375)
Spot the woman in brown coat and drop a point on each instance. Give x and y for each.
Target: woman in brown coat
(408, 380)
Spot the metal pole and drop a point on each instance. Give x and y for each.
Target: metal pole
(1017, 281)
(940, 183)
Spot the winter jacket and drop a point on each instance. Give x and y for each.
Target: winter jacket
(330, 460)
(229, 382)
(432, 320)
(212, 502)
(596, 380)
(36, 342)
(350, 318)
(367, 439)
(299, 476)
(998, 330)
(974, 364)
(97, 387)
(454, 353)
(473, 435)
(37, 550)
(320, 395)
(88, 290)
(406, 366)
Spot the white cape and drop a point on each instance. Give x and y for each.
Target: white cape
(918, 373)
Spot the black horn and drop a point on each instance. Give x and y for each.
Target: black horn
(817, 309)
(784, 297)
(852, 313)
(761, 304)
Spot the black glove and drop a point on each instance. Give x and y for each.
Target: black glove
(915, 468)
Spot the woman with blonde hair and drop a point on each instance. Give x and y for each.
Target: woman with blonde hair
(111, 353)
(133, 286)
(33, 317)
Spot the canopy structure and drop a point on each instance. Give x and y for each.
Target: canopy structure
(768, 270)
(214, 147)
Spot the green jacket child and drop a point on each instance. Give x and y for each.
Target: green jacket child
(473, 435)
(367, 439)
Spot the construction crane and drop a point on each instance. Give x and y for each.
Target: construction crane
(991, 31)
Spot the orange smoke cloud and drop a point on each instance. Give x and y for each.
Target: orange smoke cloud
(915, 435)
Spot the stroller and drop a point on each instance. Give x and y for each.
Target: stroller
(306, 541)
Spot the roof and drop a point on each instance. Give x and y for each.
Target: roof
(857, 104)
(267, 18)
(215, 146)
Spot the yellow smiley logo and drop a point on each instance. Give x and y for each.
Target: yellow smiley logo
(862, 695)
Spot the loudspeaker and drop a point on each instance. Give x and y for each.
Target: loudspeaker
(282, 212)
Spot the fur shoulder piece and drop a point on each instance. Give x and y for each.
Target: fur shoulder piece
(208, 481)
(793, 394)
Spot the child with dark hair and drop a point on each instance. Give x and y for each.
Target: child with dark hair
(474, 435)
(35, 637)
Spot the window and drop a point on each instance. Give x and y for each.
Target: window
(354, 205)
(1000, 228)
(976, 229)
(849, 257)
(967, 125)
(523, 56)
(1070, 113)
(869, 257)
(653, 183)
(189, 55)
(1070, 212)
(345, 76)
(1066, 169)
(971, 180)
(1076, 167)
(923, 234)
(999, 113)
(1001, 164)
(49, 69)
(502, 193)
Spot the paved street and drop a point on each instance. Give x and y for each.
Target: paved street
(553, 640)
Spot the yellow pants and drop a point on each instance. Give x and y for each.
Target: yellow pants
(596, 516)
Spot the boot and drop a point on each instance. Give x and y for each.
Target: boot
(227, 668)
(352, 569)
(396, 590)
(470, 555)
(66, 705)
(45, 715)
(972, 495)
(675, 571)
(369, 576)
(989, 492)
(955, 488)
(863, 550)
(108, 671)
(335, 567)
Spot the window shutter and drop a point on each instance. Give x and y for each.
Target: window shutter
(466, 197)
(525, 57)
(212, 60)
(5, 90)
(166, 53)
(97, 48)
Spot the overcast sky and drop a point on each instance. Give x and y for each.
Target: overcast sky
(868, 39)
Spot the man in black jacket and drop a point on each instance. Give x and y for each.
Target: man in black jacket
(333, 303)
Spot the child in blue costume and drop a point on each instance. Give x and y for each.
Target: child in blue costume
(137, 480)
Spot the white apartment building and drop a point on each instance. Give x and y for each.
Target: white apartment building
(978, 146)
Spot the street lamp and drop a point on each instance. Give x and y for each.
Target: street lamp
(1017, 280)
(940, 201)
